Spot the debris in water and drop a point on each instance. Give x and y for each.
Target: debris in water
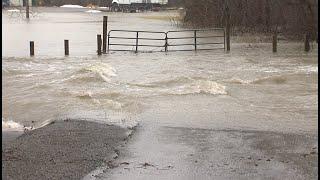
(124, 163)
(305, 155)
(167, 167)
(117, 153)
(111, 165)
(145, 165)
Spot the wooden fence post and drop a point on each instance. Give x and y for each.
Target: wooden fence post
(99, 44)
(31, 48)
(307, 43)
(66, 47)
(274, 42)
(228, 28)
(224, 39)
(27, 9)
(105, 31)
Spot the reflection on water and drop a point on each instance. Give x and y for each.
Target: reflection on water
(248, 88)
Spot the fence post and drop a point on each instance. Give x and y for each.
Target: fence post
(224, 39)
(104, 36)
(66, 47)
(27, 9)
(307, 43)
(228, 29)
(99, 44)
(31, 48)
(137, 41)
(195, 40)
(274, 42)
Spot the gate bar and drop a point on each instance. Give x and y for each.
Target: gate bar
(137, 42)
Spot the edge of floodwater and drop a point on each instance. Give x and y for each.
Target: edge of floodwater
(63, 149)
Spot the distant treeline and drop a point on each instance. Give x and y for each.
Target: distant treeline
(292, 17)
(91, 2)
(77, 2)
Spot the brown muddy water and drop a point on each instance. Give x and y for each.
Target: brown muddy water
(249, 88)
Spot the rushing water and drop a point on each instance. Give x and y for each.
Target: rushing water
(247, 88)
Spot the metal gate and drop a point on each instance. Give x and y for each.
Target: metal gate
(144, 41)
(152, 41)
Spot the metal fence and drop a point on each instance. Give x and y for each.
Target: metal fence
(132, 40)
(151, 41)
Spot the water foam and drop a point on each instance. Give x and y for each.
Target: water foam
(105, 71)
(184, 86)
(82, 94)
(308, 69)
(198, 87)
(268, 79)
(11, 126)
(238, 81)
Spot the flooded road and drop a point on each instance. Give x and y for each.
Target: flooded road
(247, 89)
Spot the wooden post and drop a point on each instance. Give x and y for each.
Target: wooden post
(228, 28)
(307, 43)
(274, 42)
(224, 39)
(195, 40)
(99, 44)
(31, 48)
(66, 47)
(27, 9)
(137, 41)
(104, 35)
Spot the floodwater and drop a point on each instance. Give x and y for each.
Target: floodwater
(249, 88)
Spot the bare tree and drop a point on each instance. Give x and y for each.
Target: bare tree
(292, 17)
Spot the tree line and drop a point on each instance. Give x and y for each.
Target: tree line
(77, 2)
(291, 17)
(93, 2)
